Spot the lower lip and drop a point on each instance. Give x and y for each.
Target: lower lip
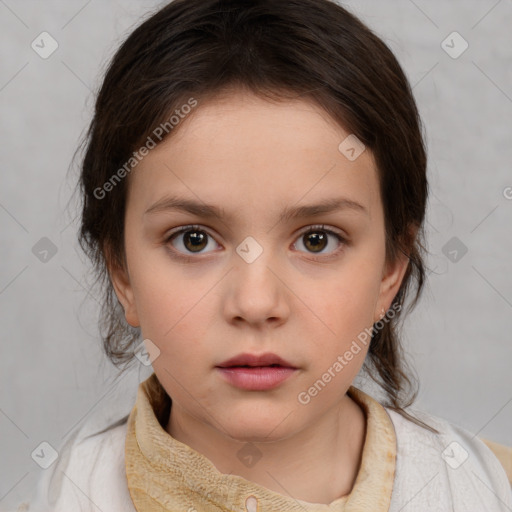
(257, 378)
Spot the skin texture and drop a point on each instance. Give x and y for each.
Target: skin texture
(253, 158)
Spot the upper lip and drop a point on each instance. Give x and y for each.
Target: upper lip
(266, 359)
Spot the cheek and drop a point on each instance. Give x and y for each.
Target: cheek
(171, 308)
(345, 302)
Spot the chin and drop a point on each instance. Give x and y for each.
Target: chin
(250, 425)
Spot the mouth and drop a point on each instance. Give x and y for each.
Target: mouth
(252, 360)
(256, 372)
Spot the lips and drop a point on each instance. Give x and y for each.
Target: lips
(253, 360)
(251, 372)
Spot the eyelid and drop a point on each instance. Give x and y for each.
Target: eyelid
(187, 227)
(323, 227)
(302, 231)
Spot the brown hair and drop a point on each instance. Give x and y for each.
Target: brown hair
(314, 49)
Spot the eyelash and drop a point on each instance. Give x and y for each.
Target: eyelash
(176, 254)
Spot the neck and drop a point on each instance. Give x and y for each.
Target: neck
(318, 464)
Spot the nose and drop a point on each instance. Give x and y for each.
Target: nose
(258, 293)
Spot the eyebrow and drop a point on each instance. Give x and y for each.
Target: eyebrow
(211, 211)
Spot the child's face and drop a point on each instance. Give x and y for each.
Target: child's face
(252, 160)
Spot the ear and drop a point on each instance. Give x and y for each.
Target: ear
(392, 277)
(121, 281)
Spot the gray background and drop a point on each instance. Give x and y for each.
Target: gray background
(53, 375)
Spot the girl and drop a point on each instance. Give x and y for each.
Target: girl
(254, 191)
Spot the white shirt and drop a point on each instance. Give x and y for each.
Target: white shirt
(452, 471)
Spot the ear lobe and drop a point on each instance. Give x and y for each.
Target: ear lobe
(124, 292)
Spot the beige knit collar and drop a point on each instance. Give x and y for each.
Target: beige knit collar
(165, 475)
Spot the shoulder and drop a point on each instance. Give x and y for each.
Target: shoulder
(451, 470)
(88, 475)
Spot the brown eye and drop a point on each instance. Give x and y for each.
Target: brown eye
(317, 239)
(190, 239)
(195, 241)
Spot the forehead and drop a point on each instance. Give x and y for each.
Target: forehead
(245, 151)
